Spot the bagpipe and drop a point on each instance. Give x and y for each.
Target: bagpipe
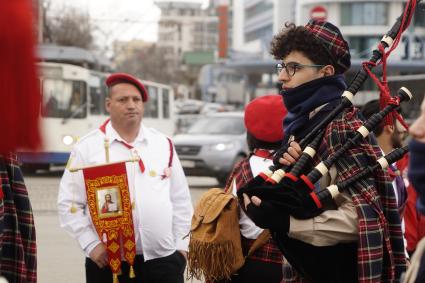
(295, 194)
(285, 188)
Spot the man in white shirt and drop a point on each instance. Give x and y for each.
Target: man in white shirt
(159, 194)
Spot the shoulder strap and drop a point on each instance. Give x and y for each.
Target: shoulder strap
(259, 242)
(170, 159)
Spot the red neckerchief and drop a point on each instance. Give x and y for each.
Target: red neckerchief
(103, 130)
(263, 153)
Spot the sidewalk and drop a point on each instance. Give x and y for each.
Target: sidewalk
(59, 257)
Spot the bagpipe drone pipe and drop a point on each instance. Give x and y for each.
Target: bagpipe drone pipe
(389, 41)
(295, 195)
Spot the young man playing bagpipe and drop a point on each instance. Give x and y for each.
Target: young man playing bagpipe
(357, 238)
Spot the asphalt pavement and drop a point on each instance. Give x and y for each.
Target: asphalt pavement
(59, 256)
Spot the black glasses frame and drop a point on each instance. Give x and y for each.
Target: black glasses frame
(292, 67)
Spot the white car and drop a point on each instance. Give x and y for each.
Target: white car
(213, 145)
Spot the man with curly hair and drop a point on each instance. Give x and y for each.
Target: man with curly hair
(358, 237)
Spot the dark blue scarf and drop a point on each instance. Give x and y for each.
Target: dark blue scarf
(302, 100)
(416, 171)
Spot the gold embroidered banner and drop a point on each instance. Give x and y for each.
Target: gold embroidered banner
(109, 202)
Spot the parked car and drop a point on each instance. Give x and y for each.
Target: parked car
(213, 145)
(184, 122)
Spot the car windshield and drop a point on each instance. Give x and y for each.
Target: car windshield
(218, 126)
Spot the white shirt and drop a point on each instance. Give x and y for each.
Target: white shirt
(163, 207)
(248, 228)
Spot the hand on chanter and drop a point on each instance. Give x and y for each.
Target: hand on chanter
(265, 215)
(292, 154)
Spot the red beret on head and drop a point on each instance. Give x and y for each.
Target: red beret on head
(118, 78)
(264, 118)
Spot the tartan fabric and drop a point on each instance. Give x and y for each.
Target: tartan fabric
(381, 256)
(332, 40)
(269, 252)
(18, 263)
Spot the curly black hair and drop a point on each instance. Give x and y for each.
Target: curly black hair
(298, 38)
(254, 143)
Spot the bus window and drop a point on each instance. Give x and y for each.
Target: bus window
(166, 103)
(104, 92)
(151, 106)
(96, 101)
(64, 99)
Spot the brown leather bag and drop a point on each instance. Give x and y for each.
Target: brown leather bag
(215, 250)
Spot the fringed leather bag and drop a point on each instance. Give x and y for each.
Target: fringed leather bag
(215, 250)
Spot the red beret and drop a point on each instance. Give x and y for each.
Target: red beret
(264, 118)
(118, 78)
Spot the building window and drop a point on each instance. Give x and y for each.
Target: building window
(151, 107)
(361, 14)
(258, 9)
(165, 103)
(265, 33)
(361, 46)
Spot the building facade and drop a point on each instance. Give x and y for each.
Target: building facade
(363, 24)
(186, 27)
(255, 21)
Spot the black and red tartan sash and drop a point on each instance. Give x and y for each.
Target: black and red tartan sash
(269, 252)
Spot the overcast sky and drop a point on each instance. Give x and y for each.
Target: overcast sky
(120, 19)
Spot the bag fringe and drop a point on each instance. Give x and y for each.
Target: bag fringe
(213, 261)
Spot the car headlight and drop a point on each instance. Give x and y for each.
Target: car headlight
(68, 140)
(222, 146)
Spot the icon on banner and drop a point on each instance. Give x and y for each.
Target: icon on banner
(109, 202)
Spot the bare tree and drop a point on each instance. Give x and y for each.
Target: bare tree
(149, 64)
(71, 27)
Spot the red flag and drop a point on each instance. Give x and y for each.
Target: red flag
(109, 202)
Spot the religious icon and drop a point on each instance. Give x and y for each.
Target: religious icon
(109, 202)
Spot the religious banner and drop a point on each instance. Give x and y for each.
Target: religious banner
(109, 202)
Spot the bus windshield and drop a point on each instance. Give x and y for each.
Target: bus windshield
(64, 99)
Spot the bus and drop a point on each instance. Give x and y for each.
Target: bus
(73, 103)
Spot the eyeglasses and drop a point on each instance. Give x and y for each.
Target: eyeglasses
(292, 67)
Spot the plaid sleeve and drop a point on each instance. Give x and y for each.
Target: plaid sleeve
(381, 249)
(18, 261)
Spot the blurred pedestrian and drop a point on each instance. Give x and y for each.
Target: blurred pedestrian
(19, 108)
(389, 137)
(416, 173)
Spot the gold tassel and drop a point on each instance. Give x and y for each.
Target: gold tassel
(132, 275)
(115, 278)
